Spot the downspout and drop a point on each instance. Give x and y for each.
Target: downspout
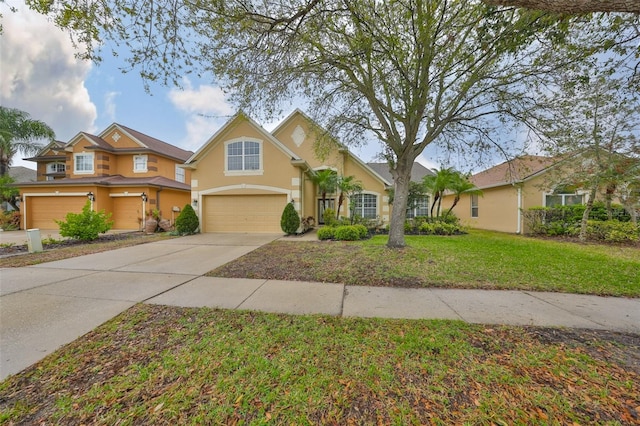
(519, 227)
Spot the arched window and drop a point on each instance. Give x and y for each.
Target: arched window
(243, 156)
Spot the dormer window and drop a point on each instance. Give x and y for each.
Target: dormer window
(139, 163)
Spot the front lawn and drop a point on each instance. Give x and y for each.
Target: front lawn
(164, 365)
(480, 259)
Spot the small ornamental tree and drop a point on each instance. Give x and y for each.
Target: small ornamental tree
(187, 221)
(85, 226)
(290, 221)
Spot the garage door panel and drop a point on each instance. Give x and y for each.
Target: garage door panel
(44, 211)
(127, 213)
(243, 213)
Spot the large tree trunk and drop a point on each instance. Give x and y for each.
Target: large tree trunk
(401, 178)
(573, 6)
(585, 215)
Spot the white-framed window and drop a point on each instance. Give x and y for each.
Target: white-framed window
(563, 196)
(474, 205)
(83, 163)
(420, 209)
(180, 174)
(56, 168)
(243, 156)
(139, 163)
(365, 205)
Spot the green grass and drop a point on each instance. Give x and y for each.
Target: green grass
(480, 259)
(162, 365)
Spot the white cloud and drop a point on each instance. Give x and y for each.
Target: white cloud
(205, 108)
(110, 105)
(41, 76)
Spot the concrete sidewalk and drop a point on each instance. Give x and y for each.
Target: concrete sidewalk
(45, 306)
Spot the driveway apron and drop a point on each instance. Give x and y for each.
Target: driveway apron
(45, 306)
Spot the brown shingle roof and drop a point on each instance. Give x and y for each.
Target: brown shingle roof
(114, 180)
(159, 146)
(515, 170)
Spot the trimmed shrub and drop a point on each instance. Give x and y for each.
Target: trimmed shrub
(187, 221)
(440, 228)
(350, 232)
(85, 226)
(613, 231)
(326, 233)
(290, 221)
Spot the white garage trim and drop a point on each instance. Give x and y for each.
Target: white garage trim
(23, 209)
(246, 186)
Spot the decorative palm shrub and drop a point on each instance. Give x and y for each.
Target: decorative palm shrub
(187, 221)
(85, 226)
(290, 221)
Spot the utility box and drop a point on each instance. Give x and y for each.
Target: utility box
(34, 242)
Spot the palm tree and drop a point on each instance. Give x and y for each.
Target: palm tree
(347, 185)
(459, 185)
(19, 133)
(326, 181)
(437, 183)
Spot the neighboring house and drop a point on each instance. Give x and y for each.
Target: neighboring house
(123, 171)
(418, 172)
(18, 174)
(243, 176)
(507, 190)
(22, 174)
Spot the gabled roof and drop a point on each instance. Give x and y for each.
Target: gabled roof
(386, 181)
(418, 171)
(517, 170)
(235, 120)
(146, 143)
(153, 144)
(55, 146)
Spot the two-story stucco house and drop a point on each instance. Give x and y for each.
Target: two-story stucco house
(121, 170)
(243, 176)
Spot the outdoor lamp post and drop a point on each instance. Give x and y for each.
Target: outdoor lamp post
(144, 210)
(92, 198)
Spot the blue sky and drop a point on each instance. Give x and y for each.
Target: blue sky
(41, 76)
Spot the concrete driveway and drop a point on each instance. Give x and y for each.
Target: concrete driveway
(45, 306)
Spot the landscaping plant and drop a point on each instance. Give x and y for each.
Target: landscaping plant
(187, 221)
(290, 221)
(85, 226)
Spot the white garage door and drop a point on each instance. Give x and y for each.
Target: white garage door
(243, 213)
(44, 211)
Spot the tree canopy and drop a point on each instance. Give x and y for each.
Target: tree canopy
(573, 6)
(410, 73)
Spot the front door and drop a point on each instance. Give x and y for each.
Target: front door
(330, 204)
